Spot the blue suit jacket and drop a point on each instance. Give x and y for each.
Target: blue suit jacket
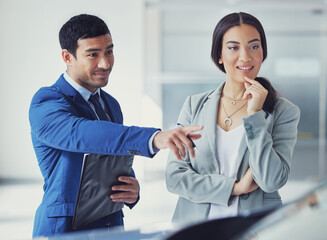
(63, 128)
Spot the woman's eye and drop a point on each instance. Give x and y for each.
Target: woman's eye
(233, 48)
(254, 47)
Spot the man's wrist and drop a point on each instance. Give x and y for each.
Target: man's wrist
(152, 148)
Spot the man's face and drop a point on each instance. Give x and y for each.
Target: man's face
(93, 63)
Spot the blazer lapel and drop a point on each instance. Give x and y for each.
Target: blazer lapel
(68, 90)
(86, 108)
(241, 152)
(210, 120)
(107, 102)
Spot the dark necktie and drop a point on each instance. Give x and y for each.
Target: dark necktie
(94, 99)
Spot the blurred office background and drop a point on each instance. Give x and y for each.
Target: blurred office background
(162, 55)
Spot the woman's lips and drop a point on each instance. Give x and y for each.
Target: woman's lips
(245, 69)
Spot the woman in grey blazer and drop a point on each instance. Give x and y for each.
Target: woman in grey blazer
(249, 132)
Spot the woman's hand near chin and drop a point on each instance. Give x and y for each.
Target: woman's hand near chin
(256, 95)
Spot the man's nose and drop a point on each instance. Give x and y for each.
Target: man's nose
(103, 63)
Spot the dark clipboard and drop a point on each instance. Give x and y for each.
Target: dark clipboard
(99, 173)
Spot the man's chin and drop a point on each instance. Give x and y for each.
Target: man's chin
(101, 82)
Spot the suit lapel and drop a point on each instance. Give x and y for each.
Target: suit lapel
(108, 103)
(69, 91)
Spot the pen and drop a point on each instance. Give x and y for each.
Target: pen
(193, 144)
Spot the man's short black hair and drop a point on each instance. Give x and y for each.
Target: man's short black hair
(81, 27)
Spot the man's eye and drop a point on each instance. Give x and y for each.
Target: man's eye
(109, 52)
(92, 55)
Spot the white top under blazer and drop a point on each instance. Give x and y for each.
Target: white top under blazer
(228, 144)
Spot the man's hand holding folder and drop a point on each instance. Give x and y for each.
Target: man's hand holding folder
(129, 190)
(102, 176)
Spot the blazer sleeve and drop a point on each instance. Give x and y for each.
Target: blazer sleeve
(183, 180)
(56, 123)
(271, 153)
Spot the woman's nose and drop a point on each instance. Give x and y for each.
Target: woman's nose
(245, 56)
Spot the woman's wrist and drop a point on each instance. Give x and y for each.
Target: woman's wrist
(236, 189)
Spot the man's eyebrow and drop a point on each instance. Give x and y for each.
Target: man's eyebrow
(110, 46)
(98, 49)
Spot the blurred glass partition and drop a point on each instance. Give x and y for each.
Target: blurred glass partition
(178, 62)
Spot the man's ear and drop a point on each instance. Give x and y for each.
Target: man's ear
(67, 57)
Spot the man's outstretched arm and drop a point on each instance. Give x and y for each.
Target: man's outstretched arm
(177, 139)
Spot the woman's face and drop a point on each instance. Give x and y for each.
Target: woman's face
(241, 52)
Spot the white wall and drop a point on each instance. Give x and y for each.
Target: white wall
(31, 58)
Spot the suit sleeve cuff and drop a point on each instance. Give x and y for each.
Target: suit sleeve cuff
(153, 150)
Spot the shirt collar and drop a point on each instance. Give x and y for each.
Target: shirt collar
(83, 91)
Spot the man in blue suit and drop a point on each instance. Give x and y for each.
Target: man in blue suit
(75, 116)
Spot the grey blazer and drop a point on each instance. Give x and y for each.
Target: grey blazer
(266, 147)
